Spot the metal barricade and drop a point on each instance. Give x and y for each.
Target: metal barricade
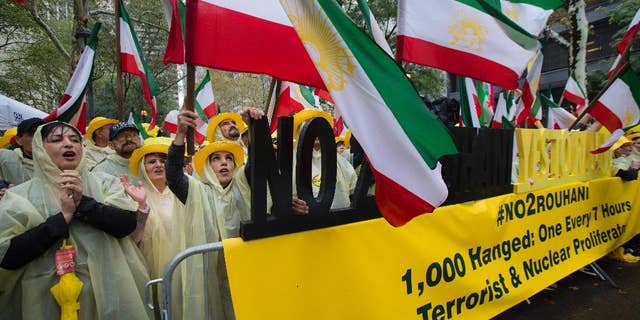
(166, 279)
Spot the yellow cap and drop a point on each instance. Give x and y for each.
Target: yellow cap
(340, 139)
(151, 145)
(632, 134)
(347, 139)
(201, 157)
(97, 123)
(307, 114)
(621, 142)
(213, 123)
(5, 140)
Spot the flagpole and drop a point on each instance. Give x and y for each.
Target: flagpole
(623, 67)
(120, 91)
(267, 106)
(189, 102)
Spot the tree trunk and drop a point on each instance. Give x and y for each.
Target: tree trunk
(80, 23)
(579, 33)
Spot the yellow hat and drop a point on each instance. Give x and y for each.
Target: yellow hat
(347, 139)
(307, 114)
(340, 139)
(632, 134)
(201, 157)
(151, 145)
(97, 123)
(213, 123)
(621, 142)
(5, 140)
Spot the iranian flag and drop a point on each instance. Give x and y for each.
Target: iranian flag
(617, 63)
(615, 136)
(247, 36)
(132, 62)
(171, 126)
(558, 117)
(501, 116)
(530, 88)
(174, 53)
(470, 108)
(464, 37)
(402, 139)
(205, 102)
(72, 107)
(531, 15)
(339, 127)
(374, 29)
(574, 93)
(632, 30)
(485, 96)
(619, 105)
(292, 98)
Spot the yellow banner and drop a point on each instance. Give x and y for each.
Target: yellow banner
(465, 261)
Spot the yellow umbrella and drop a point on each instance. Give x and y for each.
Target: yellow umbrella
(68, 288)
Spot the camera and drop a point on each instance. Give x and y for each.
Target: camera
(4, 184)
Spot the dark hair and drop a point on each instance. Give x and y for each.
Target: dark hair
(49, 127)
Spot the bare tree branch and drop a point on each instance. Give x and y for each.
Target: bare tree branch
(96, 12)
(48, 31)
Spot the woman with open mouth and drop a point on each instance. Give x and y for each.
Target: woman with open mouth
(69, 221)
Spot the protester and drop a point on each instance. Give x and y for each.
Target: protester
(228, 126)
(219, 168)
(16, 166)
(96, 141)
(124, 138)
(64, 202)
(345, 174)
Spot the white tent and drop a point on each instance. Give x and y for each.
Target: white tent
(13, 112)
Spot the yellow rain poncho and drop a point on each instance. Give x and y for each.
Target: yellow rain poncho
(229, 202)
(115, 165)
(173, 227)
(14, 166)
(94, 154)
(111, 270)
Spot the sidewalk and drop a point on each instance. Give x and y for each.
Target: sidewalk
(584, 297)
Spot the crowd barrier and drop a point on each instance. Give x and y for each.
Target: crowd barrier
(463, 261)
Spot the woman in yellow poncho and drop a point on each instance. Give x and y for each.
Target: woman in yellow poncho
(173, 226)
(93, 213)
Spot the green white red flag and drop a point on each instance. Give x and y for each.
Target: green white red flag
(470, 107)
(72, 107)
(501, 117)
(464, 37)
(574, 93)
(132, 62)
(292, 98)
(632, 30)
(205, 102)
(531, 15)
(402, 139)
(558, 117)
(530, 89)
(374, 29)
(247, 36)
(174, 52)
(619, 105)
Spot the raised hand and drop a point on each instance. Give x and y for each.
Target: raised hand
(137, 193)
